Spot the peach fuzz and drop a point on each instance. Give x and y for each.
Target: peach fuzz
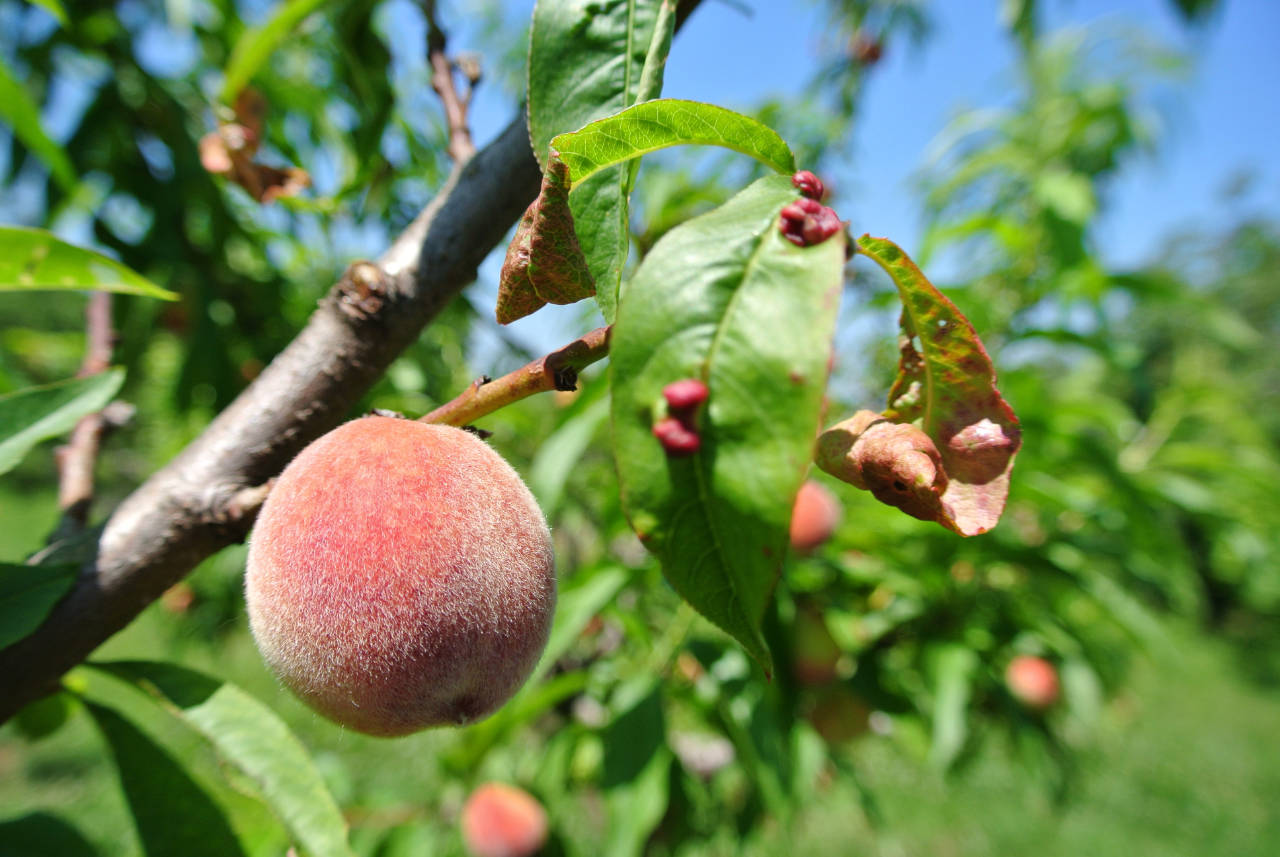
(503, 821)
(400, 576)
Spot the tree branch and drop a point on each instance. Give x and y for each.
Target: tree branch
(455, 106)
(555, 371)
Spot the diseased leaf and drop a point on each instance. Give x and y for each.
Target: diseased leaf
(32, 259)
(247, 734)
(944, 449)
(30, 416)
(726, 300)
(588, 59)
(667, 122)
(544, 263)
(27, 594)
(23, 115)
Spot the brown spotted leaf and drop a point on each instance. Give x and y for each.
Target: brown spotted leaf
(947, 434)
(544, 263)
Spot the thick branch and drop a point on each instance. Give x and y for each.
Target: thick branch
(556, 371)
(195, 505)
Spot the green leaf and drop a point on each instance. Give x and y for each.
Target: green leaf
(32, 259)
(636, 779)
(255, 46)
(37, 413)
(27, 594)
(669, 122)
(247, 734)
(954, 669)
(172, 813)
(725, 299)
(944, 448)
(40, 834)
(588, 59)
(22, 114)
(562, 451)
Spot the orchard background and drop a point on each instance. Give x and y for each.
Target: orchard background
(1137, 553)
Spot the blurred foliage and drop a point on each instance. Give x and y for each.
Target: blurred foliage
(1149, 402)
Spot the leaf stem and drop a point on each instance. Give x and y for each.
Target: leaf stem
(555, 371)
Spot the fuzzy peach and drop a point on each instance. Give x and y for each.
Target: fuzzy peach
(400, 576)
(503, 821)
(814, 517)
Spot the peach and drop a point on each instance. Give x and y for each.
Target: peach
(814, 517)
(503, 821)
(1033, 681)
(400, 576)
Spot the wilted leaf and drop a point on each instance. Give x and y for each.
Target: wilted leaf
(726, 300)
(950, 459)
(544, 263)
(32, 259)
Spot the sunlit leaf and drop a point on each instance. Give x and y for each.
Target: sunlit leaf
(30, 416)
(27, 594)
(248, 735)
(22, 114)
(669, 122)
(32, 259)
(726, 300)
(256, 45)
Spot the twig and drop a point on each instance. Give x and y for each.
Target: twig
(461, 146)
(556, 371)
(76, 459)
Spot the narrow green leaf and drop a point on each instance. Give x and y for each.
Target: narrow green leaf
(251, 737)
(37, 413)
(944, 448)
(725, 299)
(172, 813)
(588, 59)
(255, 46)
(27, 594)
(636, 779)
(954, 668)
(54, 8)
(32, 259)
(666, 122)
(562, 451)
(17, 108)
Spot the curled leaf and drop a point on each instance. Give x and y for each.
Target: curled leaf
(948, 437)
(544, 263)
(229, 152)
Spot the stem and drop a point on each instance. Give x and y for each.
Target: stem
(555, 371)
(461, 146)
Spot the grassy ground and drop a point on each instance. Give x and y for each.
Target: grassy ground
(1186, 763)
